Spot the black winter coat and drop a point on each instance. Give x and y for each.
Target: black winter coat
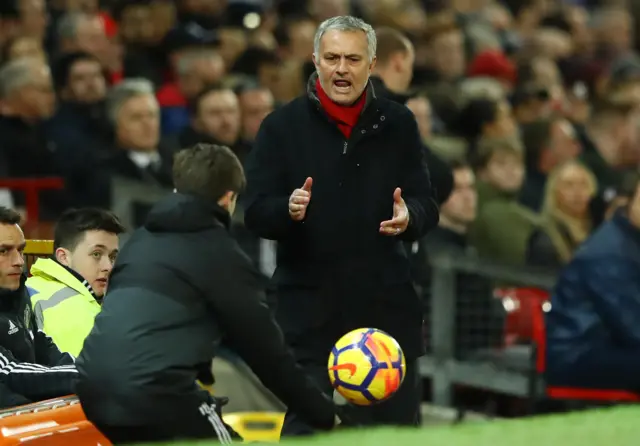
(180, 286)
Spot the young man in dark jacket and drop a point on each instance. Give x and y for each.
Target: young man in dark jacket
(338, 178)
(179, 287)
(31, 366)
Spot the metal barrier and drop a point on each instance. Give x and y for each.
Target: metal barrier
(441, 364)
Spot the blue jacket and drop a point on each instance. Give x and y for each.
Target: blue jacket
(593, 328)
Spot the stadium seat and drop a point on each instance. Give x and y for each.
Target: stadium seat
(569, 393)
(256, 426)
(59, 421)
(520, 304)
(35, 249)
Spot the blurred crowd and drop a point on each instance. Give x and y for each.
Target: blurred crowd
(532, 104)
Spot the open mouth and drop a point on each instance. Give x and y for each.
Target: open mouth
(102, 281)
(342, 84)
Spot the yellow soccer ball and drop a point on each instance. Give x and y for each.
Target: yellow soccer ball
(366, 366)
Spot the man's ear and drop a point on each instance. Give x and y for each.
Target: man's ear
(372, 65)
(227, 199)
(63, 256)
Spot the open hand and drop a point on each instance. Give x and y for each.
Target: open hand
(398, 224)
(299, 200)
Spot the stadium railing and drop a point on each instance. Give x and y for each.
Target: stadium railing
(512, 371)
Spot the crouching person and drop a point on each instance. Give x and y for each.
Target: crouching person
(32, 368)
(66, 291)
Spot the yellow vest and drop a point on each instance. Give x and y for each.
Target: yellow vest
(63, 307)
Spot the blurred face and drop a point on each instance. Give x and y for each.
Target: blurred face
(255, 106)
(203, 72)
(616, 32)
(301, 36)
(564, 143)
(136, 25)
(26, 47)
(325, 9)
(573, 191)
(343, 65)
(91, 37)
(12, 244)
(92, 258)
(504, 125)
(86, 83)
(35, 100)
(233, 42)
(447, 55)
(138, 124)
(505, 171)
(460, 207)
(219, 116)
(634, 209)
(33, 18)
(421, 109)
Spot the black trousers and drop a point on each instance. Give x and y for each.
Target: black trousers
(196, 423)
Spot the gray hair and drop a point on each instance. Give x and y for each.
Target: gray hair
(186, 62)
(69, 24)
(16, 74)
(124, 91)
(346, 23)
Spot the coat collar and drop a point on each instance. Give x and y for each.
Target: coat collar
(313, 95)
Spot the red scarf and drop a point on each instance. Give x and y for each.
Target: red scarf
(346, 116)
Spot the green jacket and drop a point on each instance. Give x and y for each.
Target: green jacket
(64, 308)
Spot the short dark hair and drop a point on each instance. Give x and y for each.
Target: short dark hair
(73, 223)
(207, 171)
(62, 66)
(536, 136)
(194, 104)
(9, 216)
(390, 42)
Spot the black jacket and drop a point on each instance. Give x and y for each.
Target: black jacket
(352, 193)
(31, 366)
(179, 288)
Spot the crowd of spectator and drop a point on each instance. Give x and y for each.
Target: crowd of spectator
(532, 104)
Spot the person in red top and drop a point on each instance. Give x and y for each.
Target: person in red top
(338, 178)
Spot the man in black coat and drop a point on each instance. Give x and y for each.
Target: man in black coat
(180, 286)
(31, 366)
(338, 178)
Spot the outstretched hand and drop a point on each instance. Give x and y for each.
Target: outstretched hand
(400, 220)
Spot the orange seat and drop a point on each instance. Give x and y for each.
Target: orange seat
(59, 421)
(569, 393)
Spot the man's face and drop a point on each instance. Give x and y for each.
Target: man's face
(92, 258)
(505, 171)
(91, 37)
(301, 36)
(138, 124)
(405, 66)
(460, 208)
(203, 72)
(255, 106)
(447, 55)
(136, 25)
(35, 100)
(219, 116)
(33, 18)
(86, 83)
(421, 109)
(564, 143)
(12, 244)
(343, 65)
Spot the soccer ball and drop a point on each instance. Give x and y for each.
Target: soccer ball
(366, 366)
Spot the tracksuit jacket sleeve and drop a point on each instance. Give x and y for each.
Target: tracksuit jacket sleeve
(266, 196)
(9, 399)
(416, 186)
(34, 381)
(48, 353)
(239, 301)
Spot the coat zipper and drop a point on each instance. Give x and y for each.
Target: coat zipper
(344, 148)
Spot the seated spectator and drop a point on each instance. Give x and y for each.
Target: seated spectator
(548, 143)
(256, 103)
(566, 218)
(79, 128)
(503, 227)
(22, 46)
(67, 290)
(31, 366)
(27, 100)
(216, 119)
(479, 316)
(593, 327)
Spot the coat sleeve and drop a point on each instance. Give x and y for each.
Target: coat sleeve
(48, 353)
(267, 196)
(250, 330)
(9, 399)
(34, 381)
(416, 185)
(615, 287)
